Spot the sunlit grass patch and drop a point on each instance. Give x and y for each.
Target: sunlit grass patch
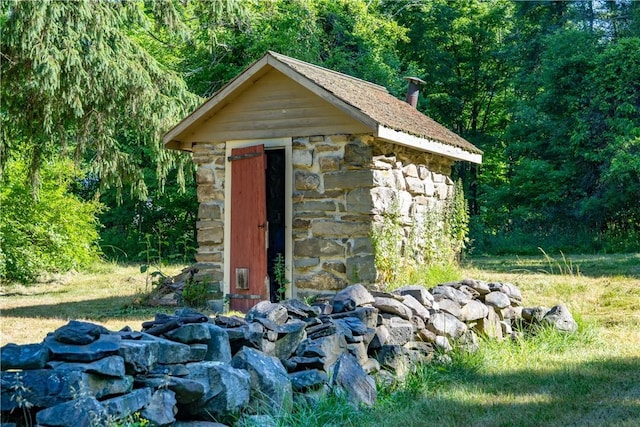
(104, 294)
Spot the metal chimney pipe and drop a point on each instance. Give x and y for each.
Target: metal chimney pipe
(414, 90)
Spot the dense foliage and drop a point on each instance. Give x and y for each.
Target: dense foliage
(56, 232)
(548, 89)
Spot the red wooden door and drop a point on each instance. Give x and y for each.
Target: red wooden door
(248, 228)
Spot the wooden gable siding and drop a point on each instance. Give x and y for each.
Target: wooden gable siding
(275, 107)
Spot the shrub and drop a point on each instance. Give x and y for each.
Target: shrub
(53, 232)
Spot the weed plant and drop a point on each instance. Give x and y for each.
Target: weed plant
(280, 276)
(19, 394)
(424, 249)
(194, 293)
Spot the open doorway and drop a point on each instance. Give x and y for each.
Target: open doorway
(275, 198)
(258, 221)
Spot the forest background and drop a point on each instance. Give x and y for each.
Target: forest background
(549, 90)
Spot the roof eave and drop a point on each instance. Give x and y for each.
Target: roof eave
(428, 145)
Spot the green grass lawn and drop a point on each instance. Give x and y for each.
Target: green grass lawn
(590, 378)
(108, 294)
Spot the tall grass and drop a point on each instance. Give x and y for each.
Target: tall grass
(565, 267)
(426, 275)
(541, 377)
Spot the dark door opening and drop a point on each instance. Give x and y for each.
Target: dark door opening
(275, 192)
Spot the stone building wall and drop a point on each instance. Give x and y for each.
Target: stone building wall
(332, 212)
(341, 185)
(210, 162)
(414, 185)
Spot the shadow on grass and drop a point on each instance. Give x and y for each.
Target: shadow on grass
(594, 393)
(626, 265)
(32, 294)
(92, 309)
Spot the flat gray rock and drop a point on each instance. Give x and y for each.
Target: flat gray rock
(560, 318)
(477, 285)
(122, 406)
(289, 338)
(449, 292)
(218, 347)
(351, 297)
(367, 315)
(355, 325)
(86, 411)
(140, 356)
(111, 366)
(28, 356)
(310, 379)
(497, 299)
(100, 386)
(169, 352)
(350, 377)
(392, 306)
(277, 313)
(511, 313)
(400, 331)
(416, 307)
(443, 343)
(299, 309)
(490, 326)
(79, 333)
(449, 306)
(420, 293)
(508, 289)
(399, 359)
(226, 390)
(426, 335)
(105, 345)
(270, 383)
(191, 333)
(198, 352)
(473, 310)
(186, 391)
(161, 410)
(447, 325)
(534, 314)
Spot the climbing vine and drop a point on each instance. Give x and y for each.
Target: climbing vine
(406, 248)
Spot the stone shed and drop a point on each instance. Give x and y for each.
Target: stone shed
(295, 163)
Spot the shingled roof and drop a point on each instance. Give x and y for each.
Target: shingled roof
(390, 118)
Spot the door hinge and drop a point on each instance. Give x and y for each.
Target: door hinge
(244, 156)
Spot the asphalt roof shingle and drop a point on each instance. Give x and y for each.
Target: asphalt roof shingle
(377, 103)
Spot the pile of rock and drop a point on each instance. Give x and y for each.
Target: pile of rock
(192, 367)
